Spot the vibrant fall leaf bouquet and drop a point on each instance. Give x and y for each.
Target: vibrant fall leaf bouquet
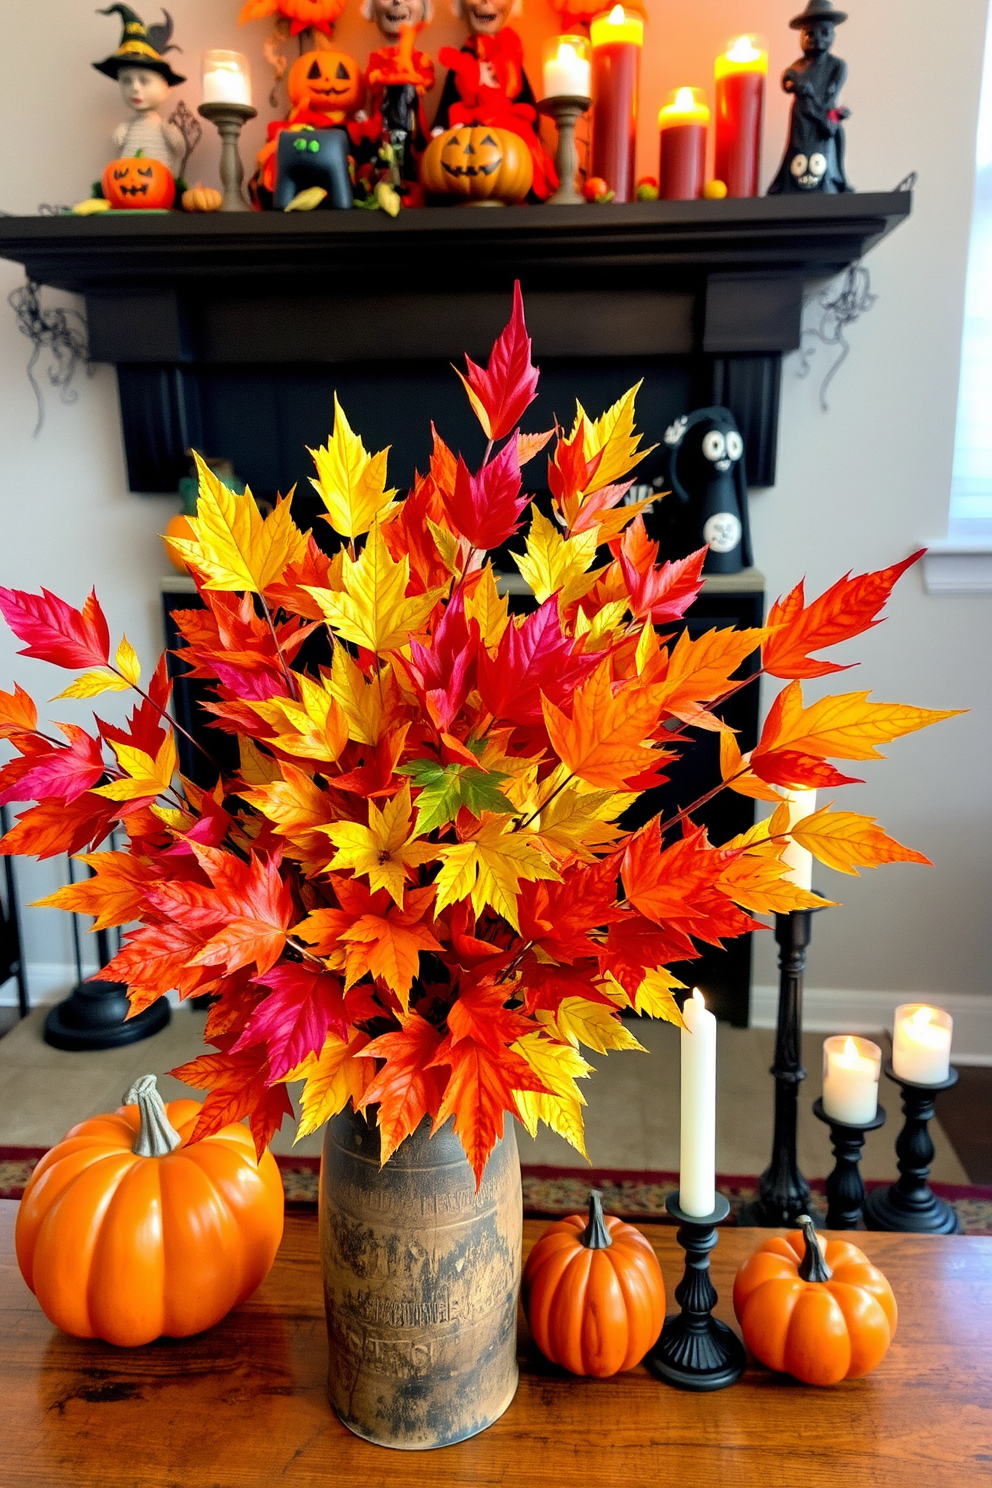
(414, 893)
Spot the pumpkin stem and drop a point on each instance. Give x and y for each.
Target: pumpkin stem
(813, 1266)
(596, 1236)
(157, 1137)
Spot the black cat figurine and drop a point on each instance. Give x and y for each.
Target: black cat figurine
(312, 157)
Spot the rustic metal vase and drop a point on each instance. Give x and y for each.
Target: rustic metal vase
(421, 1278)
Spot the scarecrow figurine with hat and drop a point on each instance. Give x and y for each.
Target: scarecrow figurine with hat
(145, 77)
(814, 156)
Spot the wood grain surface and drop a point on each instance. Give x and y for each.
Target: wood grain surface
(245, 1405)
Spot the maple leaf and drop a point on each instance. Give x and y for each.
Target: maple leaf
(847, 841)
(846, 726)
(557, 1066)
(114, 895)
(485, 508)
(763, 885)
(350, 482)
(375, 611)
(298, 809)
(680, 885)
(558, 918)
(489, 609)
(254, 904)
(233, 546)
(848, 608)
(636, 945)
(407, 1088)
(574, 823)
(388, 944)
(482, 1086)
(62, 774)
(304, 1006)
(144, 777)
(602, 742)
(384, 851)
(501, 394)
(335, 1076)
(665, 592)
(554, 564)
(55, 631)
(591, 1023)
(653, 997)
(317, 723)
(238, 1086)
(18, 713)
(532, 659)
(55, 827)
(369, 707)
(445, 789)
(489, 868)
(699, 671)
(445, 671)
(613, 438)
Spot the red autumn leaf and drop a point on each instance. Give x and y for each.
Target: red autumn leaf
(55, 631)
(408, 535)
(479, 1013)
(679, 885)
(18, 713)
(407, 1088)
(160, 685)
(304, 1005)
(445, 671)
(848, 608)
(665, 593)
(503, 392)
(532, 659)
(238, 1086)
(569, 472)
(155, 960)
(255, 907)
(480, 1090)
(53, 827)
(636, 945)
(62, 774)
(796, 770)
(558, 917)
(485, 508)
(547, 987)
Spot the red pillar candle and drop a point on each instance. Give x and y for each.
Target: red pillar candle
(617, 38)
(683, 122)
(740, 105)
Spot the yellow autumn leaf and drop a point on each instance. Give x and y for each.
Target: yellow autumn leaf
(654, 996)
(761, 882)
(592, 1024)
(737, 775)
(92, 684)
(317, 723)
(613, 433)
(385, 850)
(848, 841)
(554, 564)
(599, 628)
(558, 1066)
(574, 822)
(845, 726)
(257, 768)
(488, 608)
(333, 1077)
(234, 547)
(490, 867)
(127, 662)
(374, 611)
(350, 482)
(145, 776)
(366, 705)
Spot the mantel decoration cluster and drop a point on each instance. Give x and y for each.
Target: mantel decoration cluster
(416, 894)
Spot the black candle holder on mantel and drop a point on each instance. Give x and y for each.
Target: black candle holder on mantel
(696, 1351)
(845, 1186)
(911, 1203)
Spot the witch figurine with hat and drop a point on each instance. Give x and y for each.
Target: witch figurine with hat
(145, 77)
(814, 156)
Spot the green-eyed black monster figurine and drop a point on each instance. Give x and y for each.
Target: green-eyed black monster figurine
(814, 156)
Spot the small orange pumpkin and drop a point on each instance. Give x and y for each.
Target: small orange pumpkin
(820, 1315)
(593, 1293)
(478, 163)
(127, 1233)
(326, 82)
(177, 526)
(138, 181)
(200, 198)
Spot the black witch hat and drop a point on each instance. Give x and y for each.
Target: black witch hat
(818, 10)
(141, 46)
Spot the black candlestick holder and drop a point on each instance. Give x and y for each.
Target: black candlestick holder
(845, 1186)
(783, 1193)
(696, 1351)
(911, 1204)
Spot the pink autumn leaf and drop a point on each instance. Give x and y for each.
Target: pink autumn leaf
(303, 1007)
(502, 393)
(55, 631)
(485, 508)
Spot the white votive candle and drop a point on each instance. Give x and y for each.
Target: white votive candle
(921, 1044)
(802, 803)
(851, 1067)
(567, 68)
(226, 78)
(697, 1166)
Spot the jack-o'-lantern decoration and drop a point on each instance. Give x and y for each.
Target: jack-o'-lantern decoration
(479, 163)
(325, 83)
(138, 181)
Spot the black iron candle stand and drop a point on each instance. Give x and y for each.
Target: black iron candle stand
(845, 1187)
(695, 1350)
(783, 1193)
(911, 1204)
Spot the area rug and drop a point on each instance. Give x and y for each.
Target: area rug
(550, 1192)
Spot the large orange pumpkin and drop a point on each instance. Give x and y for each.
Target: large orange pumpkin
(478, 163)
(126, 1233)
(326, 82)
(820, 1315)
(593, 1293)
(137, 181)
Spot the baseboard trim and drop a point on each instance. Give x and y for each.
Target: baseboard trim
(845, 1010)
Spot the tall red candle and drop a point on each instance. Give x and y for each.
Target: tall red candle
(617, 38)
(740, 105)
(683, 121)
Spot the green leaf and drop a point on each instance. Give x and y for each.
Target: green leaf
(445, 789)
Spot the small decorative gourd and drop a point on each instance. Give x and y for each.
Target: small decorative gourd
(200, 198)
(126, 1233)
(593, 1293)
(479, 163)
(138, 182)
(822, 1315)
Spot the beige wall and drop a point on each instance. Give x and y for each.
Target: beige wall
(858, 487)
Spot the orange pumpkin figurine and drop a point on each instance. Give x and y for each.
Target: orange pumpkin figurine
(139, 182)
(593, 1293)
(128, 1233)
(820, 1314)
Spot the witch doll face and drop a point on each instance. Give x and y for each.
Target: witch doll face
(817, 37)
(486, 17)
(142, 90)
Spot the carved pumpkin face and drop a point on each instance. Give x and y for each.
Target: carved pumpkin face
(478, 162)
(138, 181)
(326, 82)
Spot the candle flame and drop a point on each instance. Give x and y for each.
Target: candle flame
(567, 52)
(743, 50)
(617, 16)
(697, 996)
(922, 1015)
(684, 99)
(850, 1049)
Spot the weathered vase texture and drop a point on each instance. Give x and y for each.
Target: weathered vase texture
(421, 1278)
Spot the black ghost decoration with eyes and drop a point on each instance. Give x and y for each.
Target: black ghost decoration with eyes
(312, 157)
(706, 471)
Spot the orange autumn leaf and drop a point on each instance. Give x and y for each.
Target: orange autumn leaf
(407, 1088)
(762, 884)
(848, 841)
(480, 1090)
(238, 1086)
(699, 671)
(847, 726)
(388, 945)
(603, 741)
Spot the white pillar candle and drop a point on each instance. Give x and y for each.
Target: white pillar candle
(567, 73)
(697, 1166)
(801, 803)
(851, 1068)
(921, 1043)
(226, 78)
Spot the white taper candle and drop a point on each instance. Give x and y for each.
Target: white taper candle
(697, 1166)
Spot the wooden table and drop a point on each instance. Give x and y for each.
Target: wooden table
(245, 1403)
